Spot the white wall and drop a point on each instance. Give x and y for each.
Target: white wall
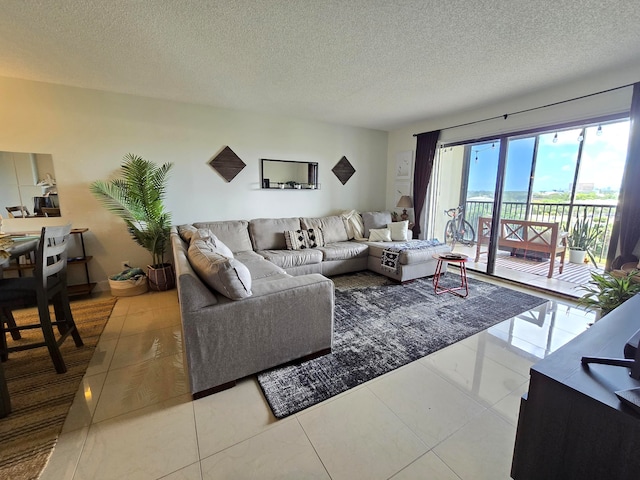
(88, 132)
(402, 139)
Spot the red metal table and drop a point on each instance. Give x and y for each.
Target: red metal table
(458, 259)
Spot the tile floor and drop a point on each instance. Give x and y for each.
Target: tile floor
(451, 415)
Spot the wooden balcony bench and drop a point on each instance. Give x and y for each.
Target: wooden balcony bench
(530, 236)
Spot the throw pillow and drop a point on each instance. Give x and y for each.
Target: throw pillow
(295, 239)
(399, 231)
(208, 236)
(186, 232)
(301, 239)
(226, 276)
(316, 237)
(354, 225)
(379, 235)
(375, 220)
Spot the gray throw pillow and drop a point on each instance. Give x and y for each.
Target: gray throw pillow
(375, 220)
(186, 232)
(226, 276)
(217, 245)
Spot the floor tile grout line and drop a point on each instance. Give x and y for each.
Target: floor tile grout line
(314, 447)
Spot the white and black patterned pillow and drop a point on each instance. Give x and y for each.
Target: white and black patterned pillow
(315, 237)
(296, 239)
(302, 239)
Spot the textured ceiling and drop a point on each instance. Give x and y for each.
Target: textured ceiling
(369, 63)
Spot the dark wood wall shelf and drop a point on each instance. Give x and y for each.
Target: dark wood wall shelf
(84, 259)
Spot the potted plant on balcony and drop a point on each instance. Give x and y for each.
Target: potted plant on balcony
(138, 199)
(583, 236)
(608, 290)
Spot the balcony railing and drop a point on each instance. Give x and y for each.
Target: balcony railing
(602, 215)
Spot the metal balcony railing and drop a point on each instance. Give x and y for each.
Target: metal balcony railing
(602, 215)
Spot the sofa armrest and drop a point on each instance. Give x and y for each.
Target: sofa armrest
(288, 320)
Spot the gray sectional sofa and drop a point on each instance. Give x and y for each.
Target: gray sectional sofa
(255, 294)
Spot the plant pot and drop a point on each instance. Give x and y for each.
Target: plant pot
(161, 277)
(577, 256)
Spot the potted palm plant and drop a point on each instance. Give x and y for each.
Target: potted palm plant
(582, 239)
(606, 291)
(138, 199)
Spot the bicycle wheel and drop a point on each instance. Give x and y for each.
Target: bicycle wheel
(467, 233)
(450, 233)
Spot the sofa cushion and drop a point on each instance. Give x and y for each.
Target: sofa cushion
(332, 227)
(217, 244)
(375, 220)
(268, 233)
(258, 266)
(292, 258)
(380, 235)
(234, 233)
(409, 256)
(186, 232)
(227, 276)
(344, 251)
(399, 231)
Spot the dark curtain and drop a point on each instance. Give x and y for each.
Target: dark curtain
(629, 228)
(425, 155)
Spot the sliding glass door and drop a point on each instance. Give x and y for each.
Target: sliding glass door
(513, 187)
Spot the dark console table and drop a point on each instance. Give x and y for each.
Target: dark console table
(571, 423)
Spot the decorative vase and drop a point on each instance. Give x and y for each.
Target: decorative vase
(161, 277)
(577, 256)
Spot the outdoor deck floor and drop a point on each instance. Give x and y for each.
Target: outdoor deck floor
(534, 273)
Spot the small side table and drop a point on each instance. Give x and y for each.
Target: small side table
(461, 260)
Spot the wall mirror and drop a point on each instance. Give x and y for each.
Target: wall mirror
(286, 174)
(28, 185)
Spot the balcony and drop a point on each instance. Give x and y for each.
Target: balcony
(534, 272)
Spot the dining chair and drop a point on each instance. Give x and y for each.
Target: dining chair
(19, 211)
(48, 285)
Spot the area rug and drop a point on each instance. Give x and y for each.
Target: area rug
(381, 327)
(41, 398)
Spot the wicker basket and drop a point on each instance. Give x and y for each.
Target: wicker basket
(128, 288)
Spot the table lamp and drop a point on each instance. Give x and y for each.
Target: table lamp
(404, 203)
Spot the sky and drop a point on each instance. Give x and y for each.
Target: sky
(603, 159)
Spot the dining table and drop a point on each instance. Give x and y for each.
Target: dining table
(21, 245)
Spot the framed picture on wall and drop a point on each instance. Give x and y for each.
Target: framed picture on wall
(404, 165)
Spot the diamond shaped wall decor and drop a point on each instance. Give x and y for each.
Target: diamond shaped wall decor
(343, 170)
(227, 164)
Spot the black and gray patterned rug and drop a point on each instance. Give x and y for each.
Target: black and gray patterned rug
(380, 326)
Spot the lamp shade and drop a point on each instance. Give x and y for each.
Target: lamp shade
(405, 202)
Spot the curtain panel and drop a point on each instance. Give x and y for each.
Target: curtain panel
(629, 226)
(425, 154)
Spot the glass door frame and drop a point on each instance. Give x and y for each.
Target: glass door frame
(503, 140)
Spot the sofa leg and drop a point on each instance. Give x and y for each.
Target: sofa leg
(212, 390)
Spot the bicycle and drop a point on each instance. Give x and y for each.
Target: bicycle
(458, 229)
